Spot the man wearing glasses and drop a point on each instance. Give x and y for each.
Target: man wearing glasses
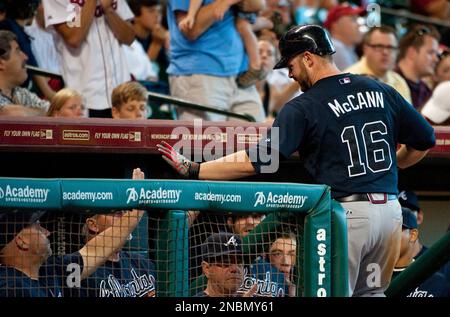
(378, 60)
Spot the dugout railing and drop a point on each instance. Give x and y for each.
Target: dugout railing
(322, 257)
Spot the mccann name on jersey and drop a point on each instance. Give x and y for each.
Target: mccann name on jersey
(362, 100)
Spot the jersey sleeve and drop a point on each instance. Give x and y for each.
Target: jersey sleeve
(282, 140)
(124, 11)
(179, 5)
(413, 129)
(57, 11)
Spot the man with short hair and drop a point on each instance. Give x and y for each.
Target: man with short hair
(378, 60)
(13, 74)
(345, 34)
(151, 35)
(442, 70)
(346, 129)
(418, 55)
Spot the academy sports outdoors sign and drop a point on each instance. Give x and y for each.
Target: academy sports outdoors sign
(279, 200)
(29, 193)
(153, 196)
(108, 194)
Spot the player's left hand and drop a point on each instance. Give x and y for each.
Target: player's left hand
(181, 164)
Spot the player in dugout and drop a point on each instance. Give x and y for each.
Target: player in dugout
(27, 267)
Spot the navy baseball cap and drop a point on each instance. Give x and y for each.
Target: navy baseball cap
(409, 219)
(12, 222)
(221, 244)
(409, 199)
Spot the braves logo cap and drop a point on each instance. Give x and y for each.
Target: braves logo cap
(220, 244)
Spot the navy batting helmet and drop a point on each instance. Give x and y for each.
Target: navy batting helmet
(299, 39)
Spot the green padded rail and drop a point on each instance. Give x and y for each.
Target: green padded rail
(313, 201)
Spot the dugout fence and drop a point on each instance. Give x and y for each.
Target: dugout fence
(171, 237)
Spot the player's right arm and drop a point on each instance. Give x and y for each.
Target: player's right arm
(233, 166)
(74, 36)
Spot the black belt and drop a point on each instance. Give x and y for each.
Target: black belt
(367, 197)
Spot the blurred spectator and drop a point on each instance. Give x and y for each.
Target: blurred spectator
(273, 94)
(378, 60)
(312, 11)
(442, 70)
(150, 33)
(129, 101)
(43, 47)
(418, 55)
(436, 285)
(89, 47)
(283, 8)
(14, 111)
(67, 103)
(345, 34)
(206, 59)
(13, 74)
(140, 65)
(439, 9)
(437, 109)
(19, 14)
(2, 10)
(245, 24)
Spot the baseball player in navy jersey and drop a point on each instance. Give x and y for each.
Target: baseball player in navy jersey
(346, 128)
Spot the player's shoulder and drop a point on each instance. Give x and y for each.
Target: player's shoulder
(8, 271)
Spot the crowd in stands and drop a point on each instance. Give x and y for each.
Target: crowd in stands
(215, 53)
